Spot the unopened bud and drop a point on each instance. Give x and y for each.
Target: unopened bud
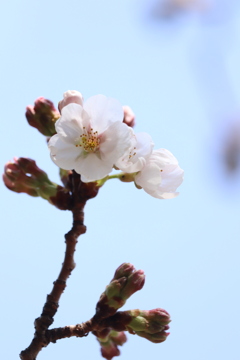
(125, 269)
(154, 338)
(69, 97)
(115, 287)
(118, 337)
(109, 341)
(24, 176)
(15, 180)
(134, 283)
(43, 116)
(109, 349)
(126, 281)
(129, 116)
(150, 324)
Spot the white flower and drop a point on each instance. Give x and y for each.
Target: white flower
(90, 138)
(136, 156)
(161, 175)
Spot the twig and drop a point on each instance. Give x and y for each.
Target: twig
(117, 322)
(81, 192)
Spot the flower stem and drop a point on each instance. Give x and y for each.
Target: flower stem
(116, 176)
(125, 177)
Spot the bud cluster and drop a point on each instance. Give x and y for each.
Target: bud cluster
(24, 176)
(126, 281)
(111, 324)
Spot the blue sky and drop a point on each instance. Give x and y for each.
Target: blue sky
(181, 78)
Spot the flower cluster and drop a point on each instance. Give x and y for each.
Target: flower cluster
(95, 136)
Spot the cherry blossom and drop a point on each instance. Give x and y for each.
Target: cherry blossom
(161, 175)
(136, 156)
(90, 137)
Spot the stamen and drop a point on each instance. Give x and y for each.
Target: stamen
(89, 140)
(132, 154)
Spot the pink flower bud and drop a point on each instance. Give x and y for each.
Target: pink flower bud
(109, 347)
(134, 283)
(129, 116)
(126, 281)
(109, 350)
(69, 97)
(154, 338)
(115, 287)
(118, 337)
(42, 116)
(158, 315)
(150, 324)
(14, 179)
(125, 270)
(24, 176)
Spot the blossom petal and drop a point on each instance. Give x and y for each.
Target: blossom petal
(149, 177)
(172, 178)
(144, 144)
(164, 157)
(115, 141)
(103, 111)
(161, 175)
(92, 168)
(168, 195)
(159, 195)
(136, 156)
(70, 125)
(63, 154)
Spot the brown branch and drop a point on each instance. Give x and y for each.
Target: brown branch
(81, 192)
(117, 322)
(79, 330)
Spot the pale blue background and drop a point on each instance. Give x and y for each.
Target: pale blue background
(181, 77)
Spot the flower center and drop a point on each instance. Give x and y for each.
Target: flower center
(89, 141)
(132, 153)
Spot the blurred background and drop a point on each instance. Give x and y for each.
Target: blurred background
(176, 64)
